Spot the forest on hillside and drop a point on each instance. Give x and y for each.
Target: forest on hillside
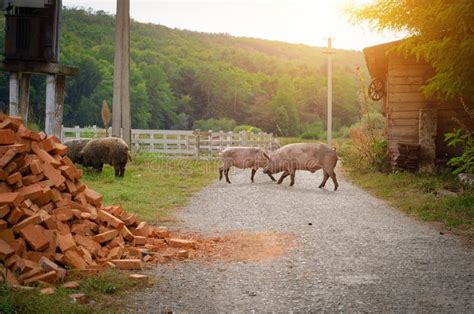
(179, 77)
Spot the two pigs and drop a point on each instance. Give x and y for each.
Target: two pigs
(99, 151)
(300, 156)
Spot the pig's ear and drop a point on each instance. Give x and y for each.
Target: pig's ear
(266, 156)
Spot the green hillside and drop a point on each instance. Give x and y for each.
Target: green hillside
(179, 76)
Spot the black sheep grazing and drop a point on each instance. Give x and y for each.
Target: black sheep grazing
(74, 149)
(108, 150)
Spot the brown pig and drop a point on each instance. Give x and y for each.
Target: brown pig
(243, 158)
(303, 156)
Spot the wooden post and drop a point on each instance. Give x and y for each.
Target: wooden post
(243, 138)
(77, 131)
(50, 104)
(427, 139)
(59, 104)
(121, 90)
(210, 143)
(126, 112)
(197, 136)
(14, 94)
(24, 96)
(221, 140)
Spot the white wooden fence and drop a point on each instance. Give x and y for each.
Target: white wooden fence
(187, 144)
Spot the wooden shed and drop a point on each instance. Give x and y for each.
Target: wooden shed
(415, 124)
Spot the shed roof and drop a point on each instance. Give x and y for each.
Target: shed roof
(376, 58)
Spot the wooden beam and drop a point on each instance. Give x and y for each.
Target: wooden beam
(126, 112)
(24, 96)
(59, 104)
(14, 94)
(50, 104)
(38, 67)
(117, 93)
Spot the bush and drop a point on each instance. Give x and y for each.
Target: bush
(247, 128)
(465, 162)
(314, 131)
(368, 148)
(222, 124)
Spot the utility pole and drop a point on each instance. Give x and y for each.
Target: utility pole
(121, 119)
(329, 52)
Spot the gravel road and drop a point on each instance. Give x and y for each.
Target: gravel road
(359, 254)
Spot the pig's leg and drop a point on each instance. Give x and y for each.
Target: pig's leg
(292, 177)
(271, 177)
(283, 176)
(332, 174)
(253, 174)
(221, 169)
(226, 173)
(326, 177)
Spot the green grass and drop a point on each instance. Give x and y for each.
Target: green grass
(153, 185)
(437, 198)
(104, 288)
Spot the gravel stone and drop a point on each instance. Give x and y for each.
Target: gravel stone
(359, 255)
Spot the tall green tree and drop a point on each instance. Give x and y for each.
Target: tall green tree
(441, 32)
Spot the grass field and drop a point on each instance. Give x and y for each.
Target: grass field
(153, 186)
(436, 198)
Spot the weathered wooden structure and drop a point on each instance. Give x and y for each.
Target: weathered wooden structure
(32, 46)
(415, 124)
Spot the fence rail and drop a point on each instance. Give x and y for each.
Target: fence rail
(178, 143)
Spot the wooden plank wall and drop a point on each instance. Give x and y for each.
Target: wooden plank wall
(405, 78)
(404, 99)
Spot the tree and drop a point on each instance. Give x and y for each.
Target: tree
(286, 117)
(441, 32)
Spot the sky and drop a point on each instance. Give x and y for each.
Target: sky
(298, 21)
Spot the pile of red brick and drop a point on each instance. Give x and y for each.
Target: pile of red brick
(50, 221)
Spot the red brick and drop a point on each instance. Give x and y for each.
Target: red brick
(74, 260)
(7, 235)
(88, 243)
(43, 155)
(36, 167)
(5, 250)
(30, 135)
(138, 277)
(60, 149)
(181, 243)
(7, 137)
(47, 265)
(53, 174)
(110, 219)
(106, 236)
(47, 291)
(34, 237)
(63, 214)
(13, 198)
(11, 279)
(66, 242)
(31, 192)
(161, 232)
(17, 148)
(7, 157)
(71, 284)
(48, 143)
(33, 220)
(138, 240)
(93, 197)
(49, 277)
(3, 224)
(11, 122)
(4, 210)
(15, 215)
(14, 178)
(128, 264)
(126, 234)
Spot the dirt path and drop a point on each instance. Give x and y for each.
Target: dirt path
(351, 252)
